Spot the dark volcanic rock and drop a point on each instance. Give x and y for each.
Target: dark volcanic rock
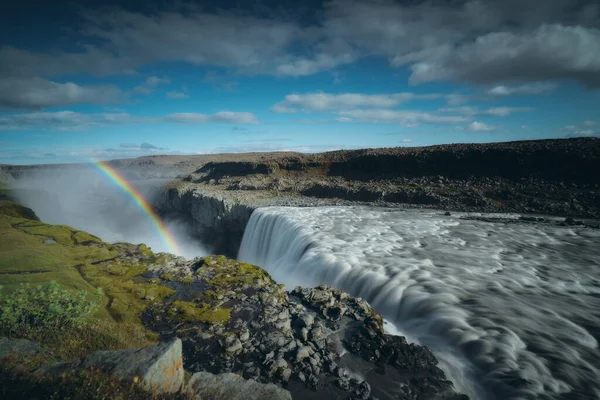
(252, 327)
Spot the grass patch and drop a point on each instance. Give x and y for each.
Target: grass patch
(44, 308)
(233, 273)
(191, 312)
(126, 298)
(9, 208)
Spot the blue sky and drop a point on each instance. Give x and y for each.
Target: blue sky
(137, 78)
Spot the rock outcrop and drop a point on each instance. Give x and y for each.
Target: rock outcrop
(18, 349)
(227, 386)
(314, 340)
(158, 368)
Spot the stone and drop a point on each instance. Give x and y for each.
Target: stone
(303, 352)
(157, 368)
(244, 335)
(316, 333)
(363, 391)
(19, 348)
(304, 334)
(234, 347)
(228, 386)
(343, 383)
(301, 377)
(305, 321)
(334, 313)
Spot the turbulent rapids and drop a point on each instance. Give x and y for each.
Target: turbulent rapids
(512, 310)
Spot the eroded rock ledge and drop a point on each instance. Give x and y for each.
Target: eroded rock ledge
(217, 193)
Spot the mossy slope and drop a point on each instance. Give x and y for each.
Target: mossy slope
(32, 252)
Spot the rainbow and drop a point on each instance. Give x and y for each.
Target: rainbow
(143, 204)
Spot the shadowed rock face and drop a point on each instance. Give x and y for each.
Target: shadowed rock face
(572, 161)
(554, 177)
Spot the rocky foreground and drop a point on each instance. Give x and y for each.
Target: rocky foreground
(223, 329)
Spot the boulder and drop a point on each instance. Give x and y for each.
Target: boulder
(157, 368)
(228, 386)
(18, 348)
(23, 356)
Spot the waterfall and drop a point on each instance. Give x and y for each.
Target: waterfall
(479, 294)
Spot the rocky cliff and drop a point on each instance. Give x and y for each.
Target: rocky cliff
(554, 177)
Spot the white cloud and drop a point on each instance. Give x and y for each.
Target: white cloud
(584, 129)
(549, 52)
(57, 121)
(505, 111)
(400, 116)
(177, 95)
(37, 94)
(477, 126)
(227, 117)
(303, 67)
(334, 102)
(526, 89)
(74, 121)
(280, 109)
(406, 140)
(495, 43)
(457, 99)
(269, 146)
(494, 111)
(150, 84)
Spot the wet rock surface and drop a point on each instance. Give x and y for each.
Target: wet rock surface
(317, 342)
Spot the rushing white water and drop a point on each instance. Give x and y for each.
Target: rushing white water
(512, 310)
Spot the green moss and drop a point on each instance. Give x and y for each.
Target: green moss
(191, 312)
(12, 209)
(145, 251)
(166, 277)
(231, 273)
(80, 261)
(186, 280)
(84, 237)
(126, 299)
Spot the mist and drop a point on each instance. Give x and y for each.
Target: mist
(84, 198)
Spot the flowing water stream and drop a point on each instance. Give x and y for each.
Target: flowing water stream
(512, 310)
